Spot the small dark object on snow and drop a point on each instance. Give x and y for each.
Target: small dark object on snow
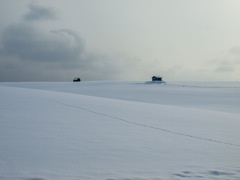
(76, 79)
(156, 78)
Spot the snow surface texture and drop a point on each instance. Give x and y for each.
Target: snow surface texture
(119, 131)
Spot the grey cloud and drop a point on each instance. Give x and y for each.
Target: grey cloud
(224, 65)
(235, 50)
(28, 43)
(224, 69)
(37, 13)
(228, 63)
(28, 53)
(59, 55)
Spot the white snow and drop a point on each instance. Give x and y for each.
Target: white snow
(119, 130)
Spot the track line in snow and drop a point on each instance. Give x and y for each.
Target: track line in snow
(148, 126)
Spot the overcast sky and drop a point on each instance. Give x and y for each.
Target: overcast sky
(180, 40)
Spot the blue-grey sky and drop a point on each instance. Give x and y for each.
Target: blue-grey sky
(181, 40)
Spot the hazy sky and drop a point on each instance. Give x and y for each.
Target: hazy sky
(182, 40)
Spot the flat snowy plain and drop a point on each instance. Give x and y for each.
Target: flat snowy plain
(119, 130)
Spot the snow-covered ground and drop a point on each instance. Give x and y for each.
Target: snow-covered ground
(119, 130)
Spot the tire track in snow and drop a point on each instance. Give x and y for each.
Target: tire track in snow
(148, 126)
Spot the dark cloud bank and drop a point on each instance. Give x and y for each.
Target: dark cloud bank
(28, 53)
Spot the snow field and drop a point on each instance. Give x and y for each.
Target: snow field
(112, 131)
